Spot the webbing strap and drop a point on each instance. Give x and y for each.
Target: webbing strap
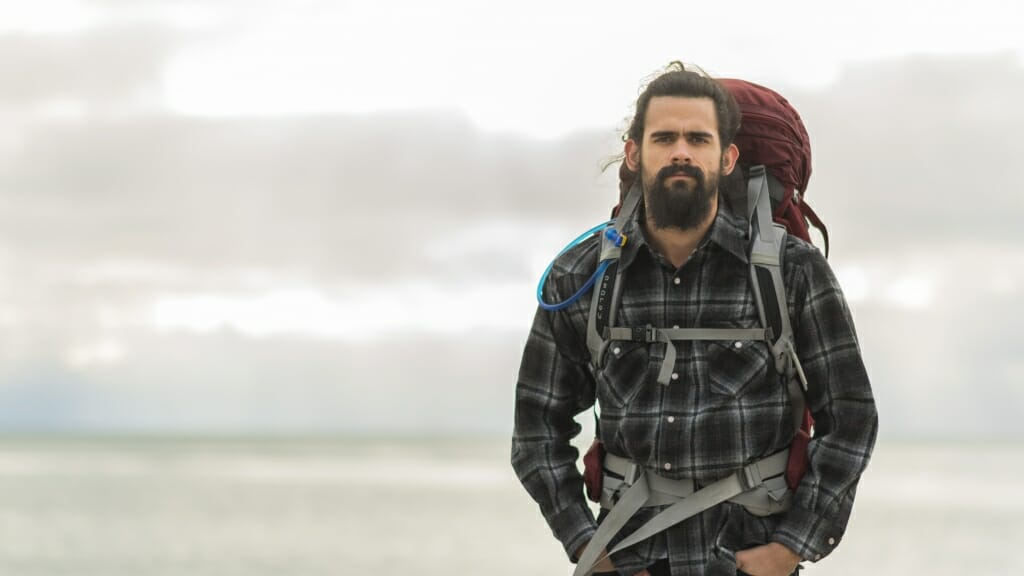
(744, 480)
(811, 215)
(631, 500)
(651, 334)
(667, 335)
(796, 387)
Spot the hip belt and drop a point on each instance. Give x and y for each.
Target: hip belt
(759, 487)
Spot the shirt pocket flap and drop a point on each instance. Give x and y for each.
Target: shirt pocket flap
(733, 365)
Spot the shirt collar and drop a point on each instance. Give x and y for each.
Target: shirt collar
(728, 231)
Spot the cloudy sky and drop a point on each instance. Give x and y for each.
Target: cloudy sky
(229, 216)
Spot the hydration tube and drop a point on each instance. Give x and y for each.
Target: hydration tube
(609, 232)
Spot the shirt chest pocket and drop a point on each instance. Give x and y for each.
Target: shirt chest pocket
(733, 366)
(627, 372)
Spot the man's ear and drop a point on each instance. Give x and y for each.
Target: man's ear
(729, 157)
(632, 155)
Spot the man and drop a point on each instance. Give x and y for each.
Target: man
(686, 264)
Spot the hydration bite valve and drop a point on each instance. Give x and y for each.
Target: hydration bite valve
(617, 238)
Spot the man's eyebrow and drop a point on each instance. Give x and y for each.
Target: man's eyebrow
(687, 133)
(660, 133)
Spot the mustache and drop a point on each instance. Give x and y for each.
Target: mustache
(684, 169)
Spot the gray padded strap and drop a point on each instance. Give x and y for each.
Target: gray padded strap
(748, 479)
(759, 202)
(596, 342)
(664, 491)
(766, 249)
(766, 253)
(629, 205)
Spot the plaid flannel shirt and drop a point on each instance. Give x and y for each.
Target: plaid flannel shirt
(725, 407)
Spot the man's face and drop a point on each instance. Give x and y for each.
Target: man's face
(680, 161)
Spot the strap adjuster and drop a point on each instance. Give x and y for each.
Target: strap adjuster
(646, 334)
(630, 476)
(750, 477)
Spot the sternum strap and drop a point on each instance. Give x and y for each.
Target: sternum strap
(668, 335)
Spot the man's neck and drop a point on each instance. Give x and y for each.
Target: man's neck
(674, 244)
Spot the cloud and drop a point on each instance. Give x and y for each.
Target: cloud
(919, 151)
(915, 172)
(352, 196)
(93, 69)
(229, 383)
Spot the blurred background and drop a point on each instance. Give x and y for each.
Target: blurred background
(263, 262)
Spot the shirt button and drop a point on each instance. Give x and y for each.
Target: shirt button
(738, 344)
(671, 419)
(675, 326)
(831, 541)
(617, 350)
(676, 281)
(668, 466)
(675, 375)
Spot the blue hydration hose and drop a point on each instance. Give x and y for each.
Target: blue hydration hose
(612, 234)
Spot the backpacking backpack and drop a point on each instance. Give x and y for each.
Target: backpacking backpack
(775, 159)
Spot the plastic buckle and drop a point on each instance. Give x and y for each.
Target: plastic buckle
(750, 477)
(632, 474)
(646, 334)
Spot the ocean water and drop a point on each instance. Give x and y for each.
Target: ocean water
(146, 507)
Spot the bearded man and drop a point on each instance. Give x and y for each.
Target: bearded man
(687, 264)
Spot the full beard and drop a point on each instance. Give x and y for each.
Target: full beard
(683, 204)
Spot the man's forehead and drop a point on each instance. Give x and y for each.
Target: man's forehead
(681, 113)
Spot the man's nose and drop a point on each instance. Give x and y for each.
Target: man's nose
(681, 153)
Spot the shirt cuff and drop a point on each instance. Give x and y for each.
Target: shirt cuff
(811, 536)
(574, 527)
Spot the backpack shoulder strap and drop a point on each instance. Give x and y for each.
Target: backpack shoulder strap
(767, 252)
(604, 303)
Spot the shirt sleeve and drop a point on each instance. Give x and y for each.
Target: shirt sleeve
(840, 399)
(554, 385)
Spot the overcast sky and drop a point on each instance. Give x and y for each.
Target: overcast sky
(241, 216)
